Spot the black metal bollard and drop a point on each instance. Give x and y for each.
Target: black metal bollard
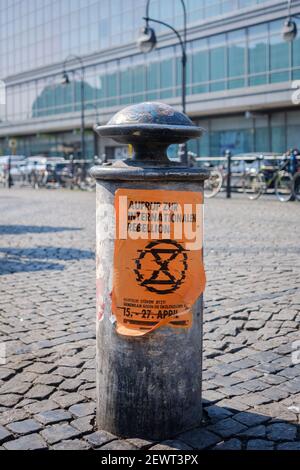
(150, 279)
(9, 176)
(228, 185)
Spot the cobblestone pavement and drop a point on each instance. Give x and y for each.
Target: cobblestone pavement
(47, 295)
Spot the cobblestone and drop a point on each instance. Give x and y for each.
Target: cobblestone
(250, 419)
(143, 444)
(59, 432)
(31, 442)
(256, 431)
(83, 409)
(68, 400)
(251, 388)
(24, 427)
(231, 444)
(289, 446)
(84, 424)
(4, 434)
(53, 416)
(215, 413)
(120, 445)
(281, 432)
(172, 445)
(227, 427)
(100, 438)
(260, 444)
(199, 438)
(74, 444)
(40, 392)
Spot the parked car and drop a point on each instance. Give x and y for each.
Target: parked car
(16, 167)
(42, 170)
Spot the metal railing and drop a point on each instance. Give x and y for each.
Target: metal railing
(229, 158)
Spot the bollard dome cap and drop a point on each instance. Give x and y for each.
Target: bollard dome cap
(150, 119)
(150, 128)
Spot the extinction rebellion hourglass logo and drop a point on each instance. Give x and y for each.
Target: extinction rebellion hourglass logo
(169, 260)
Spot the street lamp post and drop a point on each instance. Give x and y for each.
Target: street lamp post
(9, 177)
(96, 146)
(66, 81)
(147, 42)
(289, 31)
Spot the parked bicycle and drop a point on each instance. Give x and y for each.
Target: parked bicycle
(295, 169)
(241, 179)
(296, 186)
(213, 185)
(218, 180)
(259, 177)
(281, 179)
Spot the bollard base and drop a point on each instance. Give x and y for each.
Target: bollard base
(150, 387)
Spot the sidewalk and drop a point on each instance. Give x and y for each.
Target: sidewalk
(47, 314)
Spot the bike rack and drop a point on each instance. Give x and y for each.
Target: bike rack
(229, 159)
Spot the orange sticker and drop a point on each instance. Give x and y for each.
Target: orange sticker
(158, 260)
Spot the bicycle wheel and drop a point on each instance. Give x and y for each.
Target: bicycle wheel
(254, 186)
(284, 186)
(213, 185)
(296, 186)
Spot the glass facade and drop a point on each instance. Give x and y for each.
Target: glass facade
(246, 57)
(52, 145)
(273, 132)
(35, 33)
(270, 132)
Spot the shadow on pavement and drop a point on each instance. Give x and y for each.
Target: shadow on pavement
(15, 260)
(22, 229)
(226, 428)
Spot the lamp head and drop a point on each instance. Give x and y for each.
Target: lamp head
(147, 39)
(65, 80)
(289, 31)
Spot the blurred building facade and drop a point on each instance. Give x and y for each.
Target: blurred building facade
(240, 72)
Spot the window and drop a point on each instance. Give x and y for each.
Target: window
(261, 134)
(296, 48)
(293, 126)
(258, 61)
(112, 87)
(200, 70)
(213, 8)
(217, 63)
(138, 79)
(279, 59)
(167, 73)
(152, 73)
(278, 133)
(236, 64)
(126, 81)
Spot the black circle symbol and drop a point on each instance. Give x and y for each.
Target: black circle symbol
(162, 278)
